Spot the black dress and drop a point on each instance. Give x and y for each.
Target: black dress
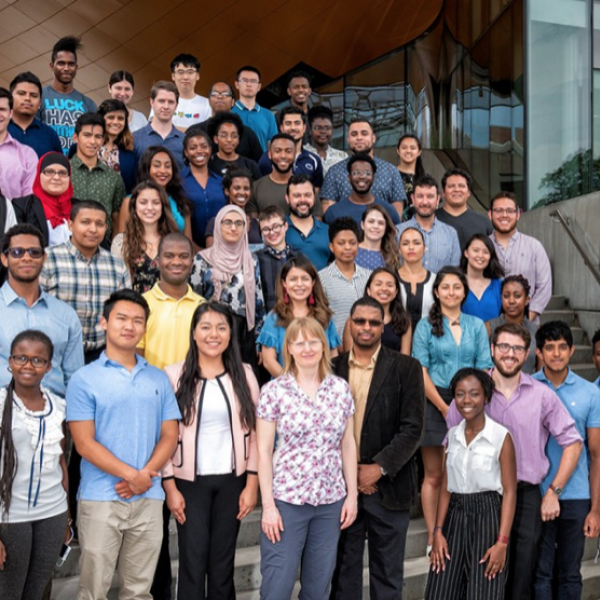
(390, 339)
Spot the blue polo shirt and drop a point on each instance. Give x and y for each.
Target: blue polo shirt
(128, 409)
(306, 163)
(146, 136)
(260, 120)
(346, 208)
(315, 245)
(206, 202)
(39, 136)
(582, 399)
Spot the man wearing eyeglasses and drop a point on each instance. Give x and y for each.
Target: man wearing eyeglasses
(24, 305)
(532, 412)
(520, 254)
(191, 107)
(389, 400)
(259, 119)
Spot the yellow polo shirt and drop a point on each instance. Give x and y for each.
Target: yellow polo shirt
(167, 336)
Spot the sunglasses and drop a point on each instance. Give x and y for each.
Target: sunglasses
(18, 252)
(370, 322)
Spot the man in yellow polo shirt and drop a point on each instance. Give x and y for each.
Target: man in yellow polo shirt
(166, 341)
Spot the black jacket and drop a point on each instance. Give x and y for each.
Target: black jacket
(393, 424)
(29, 209)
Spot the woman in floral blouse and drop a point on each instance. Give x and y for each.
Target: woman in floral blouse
(229, 274)
(308, 484)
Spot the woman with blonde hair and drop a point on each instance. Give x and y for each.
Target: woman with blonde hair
(309, 484)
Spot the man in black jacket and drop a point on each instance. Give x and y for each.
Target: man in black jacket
(389, 397)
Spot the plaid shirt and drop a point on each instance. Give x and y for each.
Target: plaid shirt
(84, 284)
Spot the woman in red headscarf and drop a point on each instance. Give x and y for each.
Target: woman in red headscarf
(49, 207)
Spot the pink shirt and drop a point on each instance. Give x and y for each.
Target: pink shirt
(307, 462)
(18, 165)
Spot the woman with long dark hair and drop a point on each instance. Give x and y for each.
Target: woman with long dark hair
(210, 482)
(377, 247)
(299, 293)
(33, 481)
(445, 342)
(484, 273)
(149, 221)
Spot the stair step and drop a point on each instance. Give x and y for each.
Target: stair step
(582, 354)
(579, 336)
(557, 303)
(566, 315)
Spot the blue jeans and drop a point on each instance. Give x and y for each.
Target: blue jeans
(560, 553)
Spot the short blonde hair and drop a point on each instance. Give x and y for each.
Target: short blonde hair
(309, 328)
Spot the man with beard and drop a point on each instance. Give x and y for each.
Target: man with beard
(320, 124)
(361, 173)
(441, 240)
(270, 190)
(532, 412)
(25, 305)
(305, 234)
(291, 121)
(520, 254)
(563, 540)
(63, 104)
(389, 398)
(387, 184)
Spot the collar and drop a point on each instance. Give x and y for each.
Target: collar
(316, 224)
(140, 362)
(352, 362)
(334, 270)
(77, 163)
(571, 378)
(513, 238)
(158, 293)
(486, 432)
(73, 250)
(244, 107)
(11, 296)
(9, 140)
(35, 124)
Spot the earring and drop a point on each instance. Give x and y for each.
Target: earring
(9, 369)
(311, 300)
(286, 298)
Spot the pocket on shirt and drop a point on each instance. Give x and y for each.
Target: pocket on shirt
(483, 459)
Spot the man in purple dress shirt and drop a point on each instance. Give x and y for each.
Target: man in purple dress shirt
(532, 412)
(520, 254)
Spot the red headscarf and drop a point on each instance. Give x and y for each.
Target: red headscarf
(56, 208)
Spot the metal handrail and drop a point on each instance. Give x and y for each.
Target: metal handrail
(556, 215)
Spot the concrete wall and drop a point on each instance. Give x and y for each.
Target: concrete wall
(572, 278)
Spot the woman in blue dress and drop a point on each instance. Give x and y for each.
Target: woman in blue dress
(484, 276)
(444, 342)
(378, 247)
(299, 293)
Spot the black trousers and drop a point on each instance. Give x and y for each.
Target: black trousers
(207, 538)
(163, 577)
(524, 539)
(471, 527)
(386, 531)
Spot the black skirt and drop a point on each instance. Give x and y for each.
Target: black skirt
(435, 425)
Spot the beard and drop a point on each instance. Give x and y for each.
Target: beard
(282, 172)
(302, 215)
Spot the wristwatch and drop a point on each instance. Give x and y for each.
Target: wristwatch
(556, 489)
(383, 471)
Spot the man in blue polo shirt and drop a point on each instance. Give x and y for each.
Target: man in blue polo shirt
(123, 416)
(26, 90)
(260, 120)
(291, 121)
(562, 542)
(306, 234)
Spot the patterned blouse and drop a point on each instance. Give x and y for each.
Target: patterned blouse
(307, 462)
(145, 272)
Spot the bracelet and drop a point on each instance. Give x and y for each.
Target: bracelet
(437, 528)
(503, 539)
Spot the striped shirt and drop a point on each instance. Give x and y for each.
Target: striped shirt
(84, 284)
(342, 292)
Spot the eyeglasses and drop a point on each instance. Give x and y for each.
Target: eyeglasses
(228, 136)
(505, 348)
(363, 173)
(221, 95)
(228, 224)
(182, 72)
(17, 252)
(507, 211)
(322, 127)
(52, 173)
(273, 229)
(251, 81)
(36, 362)
(312, 344)
(370, 322)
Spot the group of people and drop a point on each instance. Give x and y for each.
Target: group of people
(209, 307)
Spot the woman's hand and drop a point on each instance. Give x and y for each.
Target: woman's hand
(272, 523)
(247, 501)
(439, 553)
(176, 504)
(2, 556)
(69, 531)
(496, 559)
(349, 511)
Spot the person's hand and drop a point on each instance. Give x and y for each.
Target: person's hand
(271, 523)
(439, 553)
(176, 504)
(122, 488)
(140, 481)
(368, 475)
(550, 506)
(349, 511)
(247, 502)
(533, 316)
(591, 527)
(368, 490)
(68, 532)
(2, 556)
(496, 559)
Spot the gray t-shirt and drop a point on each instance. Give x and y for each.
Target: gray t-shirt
(265, 192)
(61, 111)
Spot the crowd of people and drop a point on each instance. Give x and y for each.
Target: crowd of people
(214, 304)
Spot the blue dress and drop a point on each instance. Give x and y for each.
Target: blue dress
(369, 259)
(490, 304)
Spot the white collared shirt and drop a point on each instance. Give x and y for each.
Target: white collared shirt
(476, 467)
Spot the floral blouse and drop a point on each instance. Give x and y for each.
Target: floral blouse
(233, 295)
(307, 462)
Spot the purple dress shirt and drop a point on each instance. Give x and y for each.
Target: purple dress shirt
(531, 415)
(18, 166)
(526, 256)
